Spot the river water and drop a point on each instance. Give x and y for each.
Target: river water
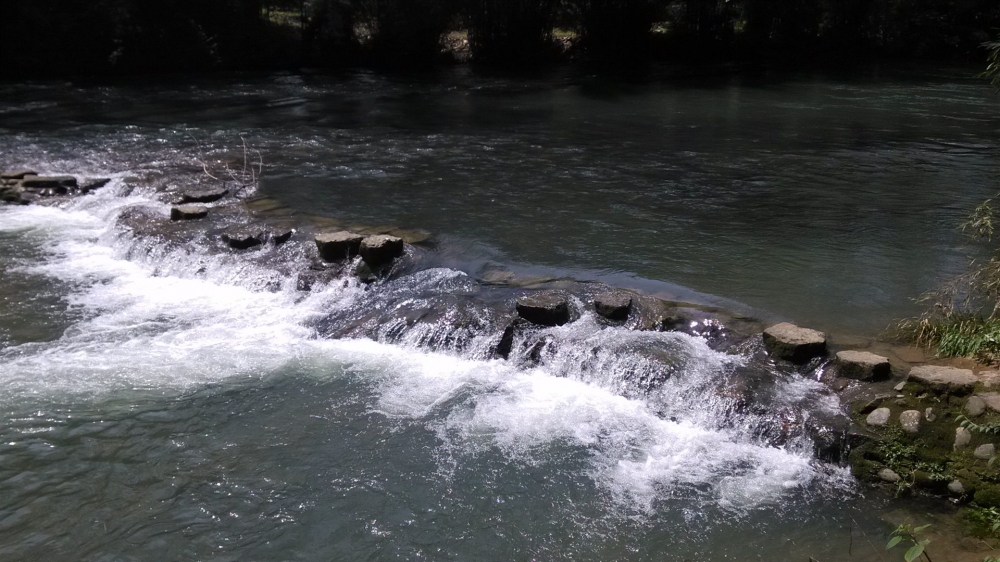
(179, 403)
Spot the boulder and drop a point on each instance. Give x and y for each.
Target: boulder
(991, 400)
(613, 305)
(42, 182)
(956, 487)
(944, 379)
(984, 452)
(798, 345)
(338, 246)
(188, 212)
(975, 406)
(962, 438)
(381, 249)
(245, 238)
(910, 420)
(888, 475)
(17, 174)
(879, 417)
(862, 365)
(548, 309)
(204, 195)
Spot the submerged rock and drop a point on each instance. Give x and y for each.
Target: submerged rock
(91, 184)
(548, 309)
(380, 249)
(796, 344)
(879, 417)
(862, 365)
(613, 305)
(910, 420)
(338, 246)
(188, 212)
(944, 379)
(204, 195)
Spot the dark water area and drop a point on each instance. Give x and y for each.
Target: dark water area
(161, 398)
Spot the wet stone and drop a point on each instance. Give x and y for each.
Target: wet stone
(338, 246)
(862, 365)
(975, 406)
(962, 438)
(17, 174)
(188, 212)
(613, 305)
(910, 420)
(985, 451)
(381, 249)
(245, 238)
(90, 184)
(944, 379)
(544, 310)
(280, 236)
(42, 182)
(888, 475)
(796, 344)
(204, 195)
(879, 417)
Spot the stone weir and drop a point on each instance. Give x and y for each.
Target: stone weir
(895, 400)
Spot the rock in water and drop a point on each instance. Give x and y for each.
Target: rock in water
(188, 212)
(244, 239)
(338, 246)
(798, 345)
(204, 195)
(613, 305)
(91, 184)
(42, 182)
(944, 379)
(381, 249)
(910, 420)
(280, 236)
(862, 365)
(546, 309)
(17, 174)
(879, 417)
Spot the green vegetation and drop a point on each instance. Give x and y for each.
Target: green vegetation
(907, 535)
(992, 72)
(115, 36)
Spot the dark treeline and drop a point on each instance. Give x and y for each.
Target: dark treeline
(63, 37)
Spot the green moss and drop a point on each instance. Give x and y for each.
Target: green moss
(983, 522)
(987, 496)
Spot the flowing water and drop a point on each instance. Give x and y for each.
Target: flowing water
(163, 399)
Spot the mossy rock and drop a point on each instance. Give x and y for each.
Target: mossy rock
(987, 496)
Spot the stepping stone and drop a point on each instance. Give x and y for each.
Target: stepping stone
(338, 246)
(910, 420)
(381, 249)
(613, 305)
(41, 182)
(188, 212)
(796, 344)
(204, 195)
(17, 174)
(944, 379)
(862, 365)
(545, 309)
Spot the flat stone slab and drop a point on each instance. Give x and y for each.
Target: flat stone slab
(338, 246)
(879, 417)
(188, 212)
(17, 174)
(796, 344)
(944, 379)
(381, 249)
(41, 182)
(613, 305)
(545, 310)
(204, 195)
(862, 365)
